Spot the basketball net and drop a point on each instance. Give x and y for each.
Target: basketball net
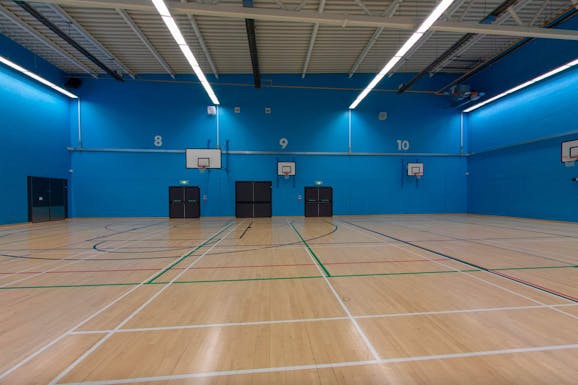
(570, 163)
(418, 175)
(286, 175)
(202, 169)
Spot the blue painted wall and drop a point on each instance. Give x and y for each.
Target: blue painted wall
(523, 175)
(313, 116)
(35, 126)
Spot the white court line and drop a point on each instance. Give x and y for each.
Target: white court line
(552, 307)
(304, 320)
(138, 310)
(92, 316)
(325, 366)
(368, 343)
(90, 253)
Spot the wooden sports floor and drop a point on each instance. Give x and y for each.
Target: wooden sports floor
(410, 300)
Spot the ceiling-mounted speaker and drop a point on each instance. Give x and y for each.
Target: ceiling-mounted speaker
(73, 83)
(382, 116)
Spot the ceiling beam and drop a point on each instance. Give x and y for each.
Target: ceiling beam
(135, 28)
(83, 32)
(312, 17)
(485, 64)
(498, 15)
(471, 40)
(252, 40)
(60, 33)
(201, 41)
(320, 9)
(389, 12)
(49, 44)
(515, 16)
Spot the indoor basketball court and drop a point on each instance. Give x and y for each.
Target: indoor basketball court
(288, 192)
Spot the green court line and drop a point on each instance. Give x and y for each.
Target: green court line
(202, 244)
(245, 279)
(327, 273)
(69, 286)
(279, 278)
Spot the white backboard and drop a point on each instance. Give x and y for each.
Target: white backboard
(570, 151)
(285, 168)
(414, 169)
(199, 157)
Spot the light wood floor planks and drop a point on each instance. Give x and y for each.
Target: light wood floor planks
(405, 300)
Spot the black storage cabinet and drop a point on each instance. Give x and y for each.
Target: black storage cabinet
(253, 199)
(318, 201)
(184, 202)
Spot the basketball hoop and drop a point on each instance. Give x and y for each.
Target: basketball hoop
(569, 162)
(202, 169)
(418, 175)
(286, 174)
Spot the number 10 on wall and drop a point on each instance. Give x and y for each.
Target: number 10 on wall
(402, 145)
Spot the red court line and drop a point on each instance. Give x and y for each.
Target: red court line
(513, 277)
(222, 267)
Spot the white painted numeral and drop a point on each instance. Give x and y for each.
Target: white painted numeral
(402, 145)
(158, 140)
(283, 142)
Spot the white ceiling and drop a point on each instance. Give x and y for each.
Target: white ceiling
(282, 46)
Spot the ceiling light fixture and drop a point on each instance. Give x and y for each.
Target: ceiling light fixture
(414, 38)
(180, 40)
(36, 77)
(524, 85)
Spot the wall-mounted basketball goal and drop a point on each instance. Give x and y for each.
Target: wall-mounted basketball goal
(415, 169)
(203, 158)
(570, 153)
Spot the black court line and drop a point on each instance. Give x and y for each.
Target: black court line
(125, 231)
(510, 228)
(476, 241)
(517, 280)
(246, 229)
(234, 251)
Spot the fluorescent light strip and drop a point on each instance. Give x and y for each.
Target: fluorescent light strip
(414, 38)
(185, 49)
(524, 85)
(36, 77)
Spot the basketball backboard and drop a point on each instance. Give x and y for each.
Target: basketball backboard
(203, 158)
(415, 169)
(286, 168)
(570, 152)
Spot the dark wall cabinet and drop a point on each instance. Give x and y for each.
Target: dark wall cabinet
(253, 199)
(318, 201)
(47, 199)
(184, 202)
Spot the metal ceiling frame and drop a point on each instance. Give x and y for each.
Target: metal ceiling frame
(202, 43)
(135, 28)
(320, 9)
(500, 14)
(474, 39)
(389, 12)
(61, 34)
(336, 19)
(83, 32)
(252, 40)
(16, 20)
(480, 67)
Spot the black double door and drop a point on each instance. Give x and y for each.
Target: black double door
(184, 202)
(47, 199)
(253, 199)
(318, 201)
